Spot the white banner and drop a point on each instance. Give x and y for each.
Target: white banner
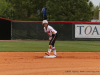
(87, 31)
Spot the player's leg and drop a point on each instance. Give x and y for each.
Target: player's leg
(54, 51)
(51, 45)
(53, 42)
(49, 50)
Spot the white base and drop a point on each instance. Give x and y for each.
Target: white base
(51, 56)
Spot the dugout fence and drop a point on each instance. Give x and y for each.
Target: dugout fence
(5, 29)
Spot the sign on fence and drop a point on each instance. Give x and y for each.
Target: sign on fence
(87, 30)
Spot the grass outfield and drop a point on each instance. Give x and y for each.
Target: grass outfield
(42, 46)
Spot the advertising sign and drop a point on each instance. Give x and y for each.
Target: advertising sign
(87, 30)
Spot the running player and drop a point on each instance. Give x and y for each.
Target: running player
(52, 33)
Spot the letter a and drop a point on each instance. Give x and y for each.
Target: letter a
(95, 30)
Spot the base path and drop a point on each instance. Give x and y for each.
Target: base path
(33, 63)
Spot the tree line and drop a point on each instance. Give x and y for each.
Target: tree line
(57, 10)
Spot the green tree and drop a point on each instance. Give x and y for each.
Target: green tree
(96, 12)
(70, 10)
(4, 6)
(27, 9)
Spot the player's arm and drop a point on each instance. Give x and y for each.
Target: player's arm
(53, 32)
(49, 35)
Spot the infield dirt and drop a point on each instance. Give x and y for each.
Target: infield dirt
(33, 63)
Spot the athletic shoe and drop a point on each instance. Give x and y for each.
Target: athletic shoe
(55, 55)
(47, 53)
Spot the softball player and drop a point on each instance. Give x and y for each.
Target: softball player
(52, 33)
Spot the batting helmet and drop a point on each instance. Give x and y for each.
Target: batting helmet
(44, 22)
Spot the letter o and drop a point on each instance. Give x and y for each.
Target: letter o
(86, 29)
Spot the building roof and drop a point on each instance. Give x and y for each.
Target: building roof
(95, 20)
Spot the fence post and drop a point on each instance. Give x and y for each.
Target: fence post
(99, 14)
(11, 29)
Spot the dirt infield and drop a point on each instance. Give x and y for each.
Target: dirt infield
(33, 63)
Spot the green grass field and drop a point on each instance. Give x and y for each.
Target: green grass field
(42, 46)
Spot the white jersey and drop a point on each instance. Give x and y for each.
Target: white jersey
(49, 30)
